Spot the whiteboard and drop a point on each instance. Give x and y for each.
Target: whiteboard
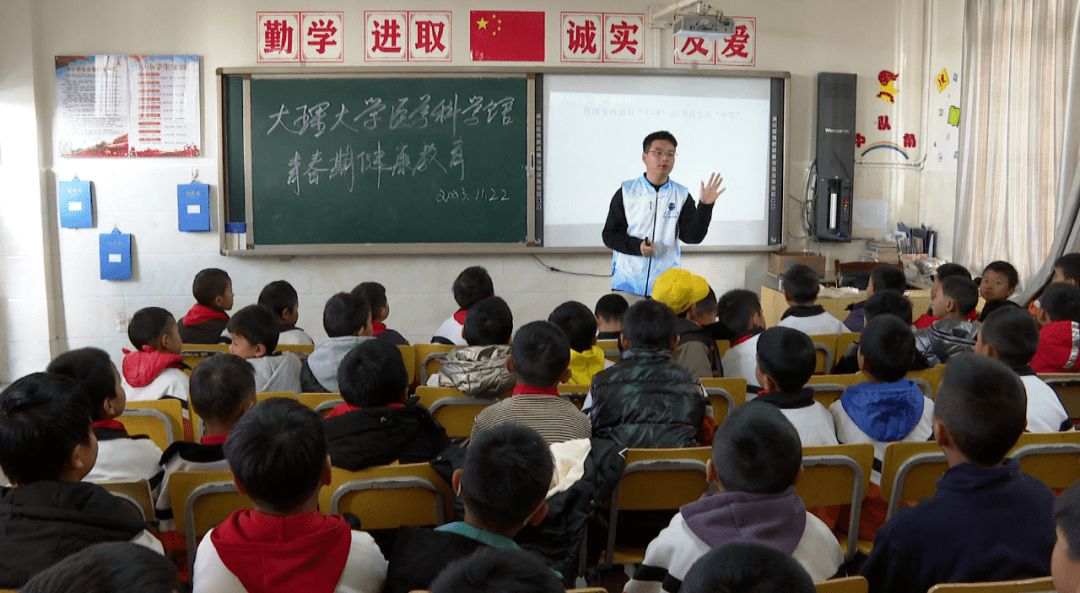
(593, 128)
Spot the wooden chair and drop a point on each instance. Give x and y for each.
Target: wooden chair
(452, 409)
(207, 499)
(837, 475)
(929, 379)
(843, 585)
(301, 350)
(843, 342)
(195, 353)
(316, 401)
(408, 356)
(910, 472)
(269, 394)
(610, 348)
(1051, 457)
(162, 420)
(390, 496)
(824, 346)
(827, 393)
(1067, 387)
(723, 346)
(426, 363)
(575, 393)
(847, 380)
(137, 493)
(654, 479)
(1043, 585)
(725, 394)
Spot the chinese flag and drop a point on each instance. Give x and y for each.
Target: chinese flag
(506, 36)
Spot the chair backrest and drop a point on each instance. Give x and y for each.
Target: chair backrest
(389, 496)
(207, 499)
(610, 348)
(725, 394)
(195, 353)
(314, 400)
(301, 350)
(910, 472)
(1045, 584)
(429, 395)
(458, 414)
(137, 492)
(269, 394)
(837, 475)
(723, 346)
(928, 379)
(1051, 457)
(1067, 387)
(846, 380)
(857, 584)
(426, 364)
(408, 356)
(575, 394)
(162, 420)
(824, 347)
(827, 393)
(843, 342)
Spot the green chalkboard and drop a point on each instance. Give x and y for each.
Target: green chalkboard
(403, 159)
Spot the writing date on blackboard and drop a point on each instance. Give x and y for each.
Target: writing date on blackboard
(460, 194)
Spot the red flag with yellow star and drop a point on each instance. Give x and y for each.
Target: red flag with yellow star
(506, 36)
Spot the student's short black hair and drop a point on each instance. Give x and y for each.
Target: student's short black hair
(736, 308)
(888, 278)
(278, 296)
(1013, 333)
(747, 567)
(649, 324)
(1070, 266)
(257, 325)
(209, 284)
(92, 370)
(661, 135)
(1067, 519)
(277, 452)
(220, 386)
(888, 347)
(950, 270)
(148, 324)
(1061, 302)
(787, 356)
(1006, 269)
(491, 570)
(43, 417)
(983, 403)
(541, 354)
(888, 302)
(801, 283)
(472, 285)
(374, 293)
(507, 473)
(488, 322)
(963, 291)
(611, 307)
(757, 450)
(577, 322)
(345, 314)
(706, 305)
(373, 374)
(109, 566)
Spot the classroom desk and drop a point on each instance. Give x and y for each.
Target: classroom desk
(834, 301)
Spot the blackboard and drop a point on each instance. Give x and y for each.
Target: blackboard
(361, 159)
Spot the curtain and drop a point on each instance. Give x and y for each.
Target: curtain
(1016, 184)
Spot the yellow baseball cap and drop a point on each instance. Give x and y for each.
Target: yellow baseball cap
(679, 289)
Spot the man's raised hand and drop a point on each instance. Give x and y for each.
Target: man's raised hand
(711, 191)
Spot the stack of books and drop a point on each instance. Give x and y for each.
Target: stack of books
(881, 251)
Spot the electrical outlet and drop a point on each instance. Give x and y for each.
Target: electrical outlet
(121, 322)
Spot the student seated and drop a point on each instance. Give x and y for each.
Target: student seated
(503, 484)
(375, 294)
(987, 521)
(801, 286)
(472, 285)
(1065, 562)
(884, 302)
(952, 333)
(786, 361)
(47, 447)
(680, 290)
(540, 354)
(1057, 313)
(222, 389)
(579, 327)
(998, 283)
(747, 567)
(120, 456)
(742, 320)
(756, 461)
(479, 369)
(647, 400)
(704, 312)
(205, 322)
(347, 321)
(377, 424)
(881, 278)
(254, 335)
(944, 272)
(1067, 270)
(278, 456)
(493, 570)
(1012, 336)
(884, 409)
(609, 312)
(113, 566)
(281, 299)
(155, 369)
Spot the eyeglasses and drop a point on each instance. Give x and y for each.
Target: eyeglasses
(663, 153)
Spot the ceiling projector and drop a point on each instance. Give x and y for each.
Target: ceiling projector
(701, 25)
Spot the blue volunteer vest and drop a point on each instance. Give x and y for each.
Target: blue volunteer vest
(649, 214)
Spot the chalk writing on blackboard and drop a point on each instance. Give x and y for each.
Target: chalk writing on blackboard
(399, 162)
(419, 115)
(460, 194)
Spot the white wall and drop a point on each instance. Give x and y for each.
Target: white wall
(52, 298)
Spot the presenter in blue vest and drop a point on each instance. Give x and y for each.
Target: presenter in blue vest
(650, 215)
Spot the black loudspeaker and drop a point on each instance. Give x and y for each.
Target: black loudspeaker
(835, 156)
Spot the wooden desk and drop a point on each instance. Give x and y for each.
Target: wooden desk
(773, 303)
